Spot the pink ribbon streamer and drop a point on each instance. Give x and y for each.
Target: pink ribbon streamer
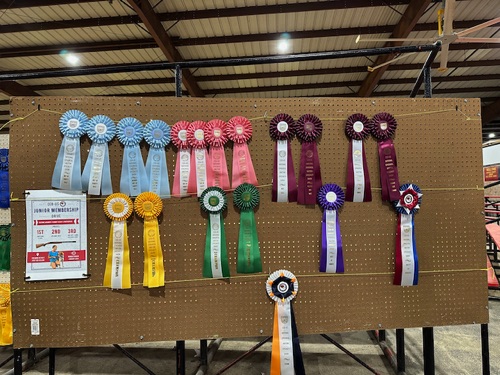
(179, 139)
(216, 138)
(243, 170)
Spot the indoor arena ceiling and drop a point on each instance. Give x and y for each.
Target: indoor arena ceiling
(61, 44)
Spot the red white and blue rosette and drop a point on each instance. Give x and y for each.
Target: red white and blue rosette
(358, 188)
(308, 129)
(406, 263)
(157, 135)
(286, 356)
(67, 173)
(133, 180)
(282, 131)
(331, 198)
(215, 131)
(96, 176)
(239, 130)
(383, 128)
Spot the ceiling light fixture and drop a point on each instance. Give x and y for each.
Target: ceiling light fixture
(491, 135)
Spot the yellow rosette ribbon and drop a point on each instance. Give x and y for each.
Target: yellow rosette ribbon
(148, 206)
(5, 315)
(118, 207)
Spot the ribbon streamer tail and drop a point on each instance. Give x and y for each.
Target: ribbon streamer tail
(106, 185)
(324, 245)
(340, 253)
(243, 170)
(368, 187)
(398, 263)
(275, 350)
(248, 245)
(292, 181)
(298, 362)
(274, 189)
(220, 176)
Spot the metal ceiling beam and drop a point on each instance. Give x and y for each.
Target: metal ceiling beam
(412, 14)
(13, 88)
(10, 4)
(4, 102)
(148, 16)
(157, 81)
(491, 112)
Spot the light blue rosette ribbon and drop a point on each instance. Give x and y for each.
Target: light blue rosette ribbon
(157, 135)
(134, 179)
(96, 176)
(67, 173)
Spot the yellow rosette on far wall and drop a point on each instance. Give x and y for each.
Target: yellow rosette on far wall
(148, 206)
(118, 207)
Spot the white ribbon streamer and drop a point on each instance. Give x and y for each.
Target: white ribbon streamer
(282, 170)
(215, 241)
(201, 170)
(96, 169)
(331, 241)
(285, 338)
(185, 165)
(359, 172)
(68, 163)
(118, 250)
(408, 271)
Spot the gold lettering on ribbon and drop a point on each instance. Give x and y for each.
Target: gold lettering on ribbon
(247, 238)
(152, 250)
(391, 170)
(309, 172)
(217, 167)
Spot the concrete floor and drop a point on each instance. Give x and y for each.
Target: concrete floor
(457, 352)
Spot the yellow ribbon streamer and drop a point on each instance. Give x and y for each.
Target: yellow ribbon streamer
(148, 205)
(5, 315)
(118, 207)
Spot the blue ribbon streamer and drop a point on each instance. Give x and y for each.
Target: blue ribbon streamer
(415, 256)
(99, 138)
(4, 178)
(157, 135)
(134, 179)
(72, 125)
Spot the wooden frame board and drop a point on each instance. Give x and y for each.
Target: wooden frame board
(438, 145)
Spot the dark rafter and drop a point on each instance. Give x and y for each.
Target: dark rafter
(157, 81)
(10, 4)
(491, 112)
(148, 16)
(405, 25)
(13, 88)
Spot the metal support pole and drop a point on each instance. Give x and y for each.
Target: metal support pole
(203, 352)
(428, 348)
(427, 65)
(400, 350)
(485, 349)
(427, 82)
(18, 361)
(52, 361)
(254, 348)
(178, 81)
(381, 335)
(180, 347)
(133, 359)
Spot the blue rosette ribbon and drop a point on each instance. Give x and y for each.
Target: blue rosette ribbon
(406, 259)
(67, 173)
(133, 180)
(4, 178)
(157, 135)
(331, 197)
(96, 176)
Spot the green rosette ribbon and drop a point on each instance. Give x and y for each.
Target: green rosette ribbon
(246, 198)
(4, 247)
(216, 264)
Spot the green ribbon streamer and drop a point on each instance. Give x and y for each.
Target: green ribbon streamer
(246, 198)
(5, 247)
(207, 261)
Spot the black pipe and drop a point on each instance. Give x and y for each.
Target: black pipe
(178, 81)
(6, 360)
(52, 361)
(133, 359)
(381, 335)
(254, 348)
(427, 65)
(18, 361)
(428, 348)
(427, 83)
(328, 338)
(220, 62)
(400, 350)
(485, 349)
(203, 353)
(180, 348)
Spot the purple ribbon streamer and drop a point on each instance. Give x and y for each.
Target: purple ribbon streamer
(324, 247)
(310, 174)
(292, 181)
(389, 179)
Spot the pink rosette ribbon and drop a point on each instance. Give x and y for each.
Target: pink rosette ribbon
(216, 138)
(239, 130)
(183, 162)
(383, 128)
(282, 130)
(358, 187)
(200, 173)
(308, 129)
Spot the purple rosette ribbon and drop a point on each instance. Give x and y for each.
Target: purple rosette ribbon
(406, 259)
(383, 128)
(282, 130)
(331, 198)
(358, 188)
(308, 129)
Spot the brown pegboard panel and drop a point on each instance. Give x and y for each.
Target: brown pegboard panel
(438, 144)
